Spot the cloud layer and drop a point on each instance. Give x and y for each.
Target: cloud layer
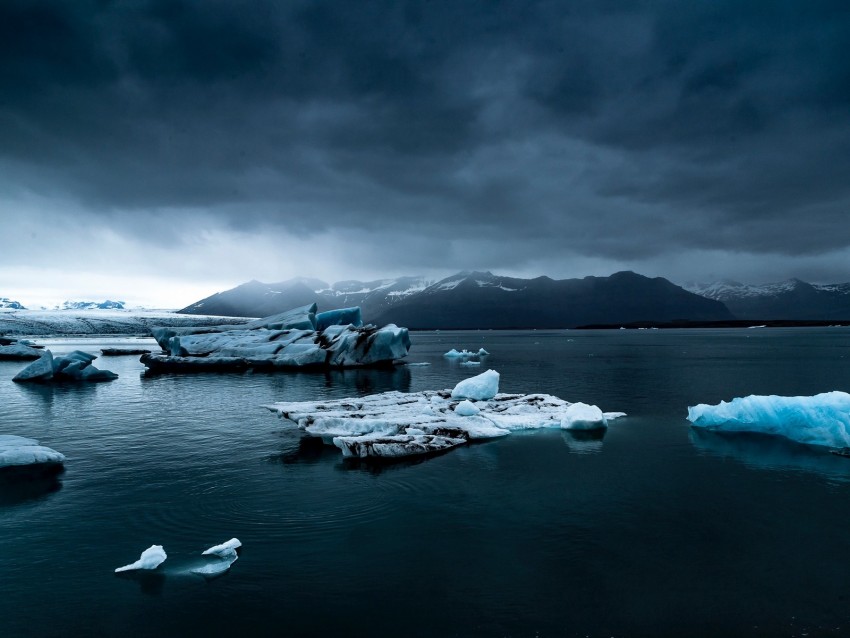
(218, 142)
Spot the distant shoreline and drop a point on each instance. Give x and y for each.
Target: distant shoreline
(737, 323)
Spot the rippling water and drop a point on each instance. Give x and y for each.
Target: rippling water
(654, 530)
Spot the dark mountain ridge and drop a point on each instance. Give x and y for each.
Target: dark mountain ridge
(473, 300)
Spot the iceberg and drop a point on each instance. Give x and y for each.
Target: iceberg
(20, 452)
(75, 366)
(480, 387)
(398, 424)
(580, 416)
(459, 354)
(151, 558)
(298, 338)
(18, 350)
(822, 419)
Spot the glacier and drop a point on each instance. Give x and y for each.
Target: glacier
(20, 452)
(398, 424)
(822, 419)
(75, 366)
(296, 338)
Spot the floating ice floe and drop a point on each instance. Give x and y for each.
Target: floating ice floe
(225, 554)
(75, 366)
(465, 354)
(20, 452)
(151, 558)
(294, 339)
(18, 350)
(470, 363)
(823, 419)
(398, 424)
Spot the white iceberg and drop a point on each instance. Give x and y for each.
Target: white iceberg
(459, 354)
(823, 419)
(395, 424)
(580, 416)
(294, 339)
(18, 452)
(480, 387)
(482, 352)
(225, 549)
(151, 558)
(226, 554)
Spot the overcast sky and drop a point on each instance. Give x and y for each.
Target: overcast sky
(161, 151)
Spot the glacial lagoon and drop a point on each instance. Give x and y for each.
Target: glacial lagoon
(656, 528)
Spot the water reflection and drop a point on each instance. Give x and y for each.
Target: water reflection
(151, 583)
(309, 449)
(18, 485)
(766, 452)
(364, 381)
(584, 441)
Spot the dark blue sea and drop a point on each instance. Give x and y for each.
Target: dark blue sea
(654, 530)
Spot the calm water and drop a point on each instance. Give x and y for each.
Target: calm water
(652, 531)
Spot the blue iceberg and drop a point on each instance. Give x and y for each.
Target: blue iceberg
(823, 419)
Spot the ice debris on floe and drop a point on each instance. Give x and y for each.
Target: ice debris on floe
(466, 408)
(480, 387)
(822, 419)
(296, 338)
(151, 558)
(17, 451)
(75, 366)
(394, 424)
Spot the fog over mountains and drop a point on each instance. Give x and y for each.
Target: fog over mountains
(469, 300)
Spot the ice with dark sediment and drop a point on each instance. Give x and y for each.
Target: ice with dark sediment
(297, 338)
(822, 419)
(396, 424)
(76, 366)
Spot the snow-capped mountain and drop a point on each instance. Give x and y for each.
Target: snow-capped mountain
(470, 300)
(9, 304)
(791, 299)
(92, 305)
(257, 299)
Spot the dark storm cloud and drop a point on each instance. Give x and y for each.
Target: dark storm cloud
(611, 129)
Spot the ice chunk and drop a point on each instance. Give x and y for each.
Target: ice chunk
(581, 416)
(39, 370)
(75, 366)
(466, 408)
(225, 549)
(482, 352)
(462, 354)
(19, 352)
(151, 558)
(282, 341)
(480, 387)
(470, 364)
(822, 419)
(392, 423)
(341, 317)
(17, 451)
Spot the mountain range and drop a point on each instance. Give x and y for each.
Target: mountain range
(470, 300)
(790, 299)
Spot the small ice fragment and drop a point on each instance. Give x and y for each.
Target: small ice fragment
(580, 416)
(225, 549)
(466, 408)
(470, 363)
(482, 353)
(151, 558)
(481, 387)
